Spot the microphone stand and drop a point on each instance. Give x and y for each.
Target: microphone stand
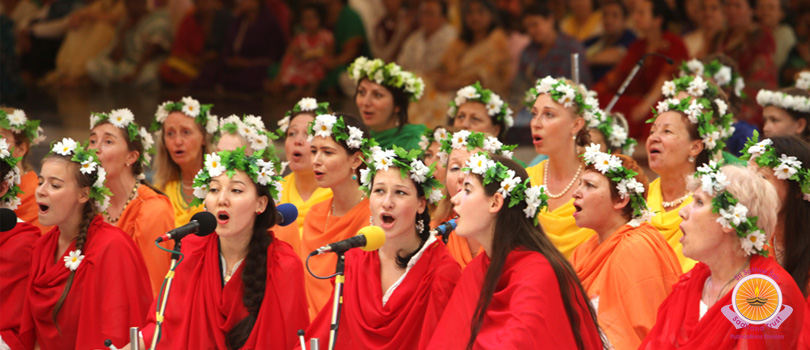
(630, 77)
(337, 302)
(167, 282)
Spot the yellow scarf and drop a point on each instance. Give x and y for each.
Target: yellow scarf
(289, 194)
(667, 222)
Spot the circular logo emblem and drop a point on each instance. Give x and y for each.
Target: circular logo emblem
(756, 299)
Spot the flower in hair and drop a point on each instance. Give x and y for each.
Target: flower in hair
(561, 92)
(192, 109)
(612, 167)
(471, 140)
(261, 171)
(722, 74)
(11, 198)
(784, 167)
(251, 128)
(803, 82)
(17, 122)
(88, 165)
(409, 165)
(124, 119)
(328, 125)
(306, 104)
(390, 75)
(497, 109)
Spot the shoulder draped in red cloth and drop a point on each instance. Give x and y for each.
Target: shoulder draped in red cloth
(526, 311)
(110, 291)
(16, 246)
(201, 311)
(322, 228)
(409, 317)
(28, 210)
(678, 325)
(627, 277)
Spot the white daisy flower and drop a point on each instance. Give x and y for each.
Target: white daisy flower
(442, 157)
(534, 193)
(790, 161)
(146, 139)
(120, 118)
(259, 142)
(478, 163)
(379, 76)
(88, 166)
(591, 152)
(507, 154)
(607, 162)
(694, 111)
(4, 148)
(739, 85)
(94, 119)
(494, 105)
(12, 203)
(162, 113)
(191, 107)
(710, 140)
(364, 180)
(723, 76)
(803, 82)
(423, 142)
(279, 188)
(663, 106)
(707, 184)
(419, 171)
(545, 85)
(440, 134)
(724, 218)
(435, 195)
(355, 139)
(17, 119)
(459, 100)
(530, 211)
(668, 89)
(720, 182)
(73, 260)
(695, 66)
(618, 136)
(696, 87)
(383, 159)
(265, 175)
(509, 120)
(201, 192)
(509, 183)
(255, 121)
(784, 171)
(283, 124)
(211, 124)
(460, 139)
(492, 144)
(759, 148)
(101, 178)
(738, 214)
(722, 107)
(231, 119)
(753, 242)
(323, 125)
(567, 99)
(308, 104)
(65, 147)
(213, 163)
(468, 92)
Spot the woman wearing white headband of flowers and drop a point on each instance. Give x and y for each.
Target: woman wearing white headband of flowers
(726, 228)
(384, 92)
(300, 187)
(124, 150)
(479, 109)
(686, 131)
(783, 161)
(558, 126)
(22, 134)
(394, 296)
(521, 293)
(15, 249)
(787, 111)
(457, 149)
(240, 288)
(627, 268)
(337, 147)
(185, 129)
(248, 132)
(88, 280)
(440, 211)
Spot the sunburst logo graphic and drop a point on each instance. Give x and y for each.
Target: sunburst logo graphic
(757, 299)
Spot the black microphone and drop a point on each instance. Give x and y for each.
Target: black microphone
(8, 219)
(630, 77)
(369, 238)
(201, 224)
(444, 229)
(286, 214)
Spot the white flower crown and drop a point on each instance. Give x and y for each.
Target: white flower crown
(410, 166)
(784, 101)
(11, 199)
(124, 119)
(17, 122)
(390, 75)
(497, 109)
(88, 165)
(722, 74)
(611, 166)
(510, 185)
(191, 108)
(251, 128)
(784, 167)
(326, 125)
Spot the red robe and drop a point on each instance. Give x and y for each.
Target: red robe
(409, 317)
(200, 311)
(526, 311)
(110, 291)
(15, 262)
(678, 326)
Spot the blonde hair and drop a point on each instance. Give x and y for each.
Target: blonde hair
(754, 192)
(166, 170)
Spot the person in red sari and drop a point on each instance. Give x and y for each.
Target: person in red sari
(649, 18)
(522, 293)
(240, 288)
(22, 133)
(337, 149)
(15, 249)
(783, 161)
(88, 281)
(729, 242)
(627, 268)
(394, 296)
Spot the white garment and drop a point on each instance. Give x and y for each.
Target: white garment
(414, 259)
(425, 54)
(703, 309)
(224, 264)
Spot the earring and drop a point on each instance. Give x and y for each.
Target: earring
(259, 212)
(691, 159)
(354, 177)
(371, 220)
(127, 164)
(574, 137)
(420, 226)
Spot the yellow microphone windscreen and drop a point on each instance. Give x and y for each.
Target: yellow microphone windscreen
(375, 237)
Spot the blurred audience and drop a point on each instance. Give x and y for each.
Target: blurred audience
(423, 50)
(606, 50)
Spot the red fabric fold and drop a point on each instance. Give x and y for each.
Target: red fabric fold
(678, 325)
(16, 247)
(526, 311)
(200, 311)
(409, 317)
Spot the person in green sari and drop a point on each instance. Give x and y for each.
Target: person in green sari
(383, 94)
(351, 41)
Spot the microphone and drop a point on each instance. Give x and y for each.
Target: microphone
(369, 238)
(630, 77)
(201, 224)
(286, 214)
(444, 229)
(108, 343)
(8, 219)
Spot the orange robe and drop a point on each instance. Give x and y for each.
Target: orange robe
(28, 210)
(144, 219)
(627, 277)
(668, 222)
(322, 228)
(559, 224)
(292, 233)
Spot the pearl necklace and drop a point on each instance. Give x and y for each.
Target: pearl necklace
(545, 181)
(676, 202)
(131, 196)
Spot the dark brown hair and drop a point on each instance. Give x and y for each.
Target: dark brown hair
(512, 231)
